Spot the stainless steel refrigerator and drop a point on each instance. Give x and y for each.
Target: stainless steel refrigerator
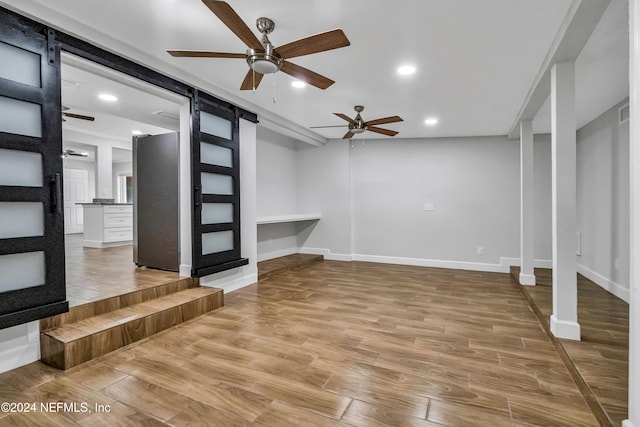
(155, 201)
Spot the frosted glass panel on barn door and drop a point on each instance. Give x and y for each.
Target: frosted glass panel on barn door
(31, 193)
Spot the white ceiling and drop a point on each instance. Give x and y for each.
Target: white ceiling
(602, 69)
(475, 60)
(135, 109)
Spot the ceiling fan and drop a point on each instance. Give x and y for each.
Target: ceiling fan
(262, 56)
(72, 153)
(74, 116)
(357, 125)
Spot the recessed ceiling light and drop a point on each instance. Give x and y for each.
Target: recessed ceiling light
(431, 121)
(136, 132)
(298, 83)
(108, 97)
(406, 70)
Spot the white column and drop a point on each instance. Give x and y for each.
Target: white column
(527, 276)
(634, 282)
(104, 171)
(564, 319)
(186, 189)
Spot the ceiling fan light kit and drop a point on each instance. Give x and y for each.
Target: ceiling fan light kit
(72, 153)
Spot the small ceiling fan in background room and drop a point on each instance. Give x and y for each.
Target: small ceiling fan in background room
(74, 116)
(262, 57)
(357, 125)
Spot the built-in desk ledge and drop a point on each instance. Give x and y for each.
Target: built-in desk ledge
(288, 218)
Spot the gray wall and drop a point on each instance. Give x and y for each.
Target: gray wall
(371, 197)
(603, 201)
(324, 187)
(542, 197)
(276, 172)
(474, 184)
(372, 200)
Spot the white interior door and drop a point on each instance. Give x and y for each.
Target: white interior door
(75, 190)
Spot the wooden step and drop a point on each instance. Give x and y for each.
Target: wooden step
(77, 338)
(288, 262)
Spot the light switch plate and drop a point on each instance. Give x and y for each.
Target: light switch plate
(429, 206)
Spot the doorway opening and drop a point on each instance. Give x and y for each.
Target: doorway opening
(103, 111)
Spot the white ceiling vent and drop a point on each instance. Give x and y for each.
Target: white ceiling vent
(623, 114)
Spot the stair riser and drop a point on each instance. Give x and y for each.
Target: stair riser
(91, 309)
(67, 355)
(291, 267)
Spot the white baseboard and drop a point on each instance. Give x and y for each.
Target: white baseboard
(627, 423)
(527, 279)
(564, 329)
(502, 267)
(230, 283)
(328, 255)
(19, 345)
(277, 254)
(537, 263)
(605, 283)
(422, 262)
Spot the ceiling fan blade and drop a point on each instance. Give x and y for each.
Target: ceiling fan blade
(382, 131)
(386, 120)
(321, 127)
(79, 116)
(313, 44)
(306, 75)
(348, 135)
(204, 54)
(230, 18)
(251, 80)
(347, 118)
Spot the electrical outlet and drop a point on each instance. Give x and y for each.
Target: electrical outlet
(429, 206)
(480, 250)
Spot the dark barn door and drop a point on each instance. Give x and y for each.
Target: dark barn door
(32, 277)
(216, 186)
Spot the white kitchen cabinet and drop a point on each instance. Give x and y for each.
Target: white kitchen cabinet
(107, 225)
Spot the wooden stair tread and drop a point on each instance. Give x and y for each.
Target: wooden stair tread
(92, 325)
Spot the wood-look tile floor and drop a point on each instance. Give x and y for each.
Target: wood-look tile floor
(332, 344)
(94, 274)
(602, 356)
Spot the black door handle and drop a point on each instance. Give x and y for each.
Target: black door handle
(55, 192)
(197, 196)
